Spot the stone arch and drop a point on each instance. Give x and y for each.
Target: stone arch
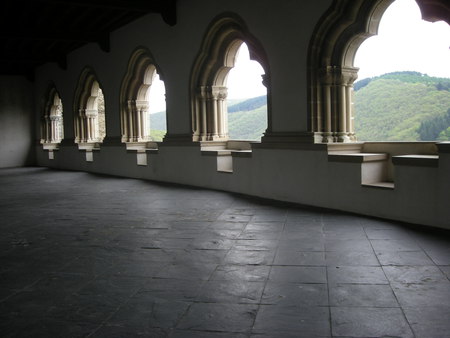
(209, 75)
(331, 72)
(141, 72)
(52, 129)
(89, 109)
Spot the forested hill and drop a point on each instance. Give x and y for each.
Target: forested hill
(402, 106)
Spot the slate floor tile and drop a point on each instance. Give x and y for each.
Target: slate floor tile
(144, 312)
(356, 275)
(345, 245)
(414, 274)
(367, 295)
(383, 245)
(311, 321)
(351, 258)
(293, 294)
(423, 295)
(194, 271)
(231, 291)
(369, 322)
(251, 273)
(165, 261)
(219, 317)
(413, 258)
(429, 322)
(298, 274)
(246, 257)
(303, 258)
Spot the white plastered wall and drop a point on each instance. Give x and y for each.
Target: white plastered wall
(305, 176)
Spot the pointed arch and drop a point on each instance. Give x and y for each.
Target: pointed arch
(89, 109)
(208, 89)
(134, 94)
(52, 129)
(331, 73)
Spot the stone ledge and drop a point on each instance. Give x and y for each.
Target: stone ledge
(416, 160)
(380, 185)
(358, 157)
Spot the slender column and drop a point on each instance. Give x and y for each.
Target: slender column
(222, 112)
(143, 131)
(92, 131)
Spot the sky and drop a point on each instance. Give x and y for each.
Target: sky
(404, 42)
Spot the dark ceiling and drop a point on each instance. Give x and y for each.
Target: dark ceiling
(35, 32)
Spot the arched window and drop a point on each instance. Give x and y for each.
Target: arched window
(90, 124)
(52, 129)
(247, 98)
(402, 92)
(209, 77)
(136, 97)
(331, 70)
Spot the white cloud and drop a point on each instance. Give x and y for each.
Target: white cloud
(406, 42)
(244, 80)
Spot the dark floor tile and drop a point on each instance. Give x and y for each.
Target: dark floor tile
(423, 295)
(351, 258)
(293, 294)
(199, 256)
(251, 273)
(446, 270)
(172, 289)
(356, 275)
(284, 321)
(369, 322)
(383, 245)
(47, 327)
(206, 334)
(429, 322)
(355, 295)
(246, 257)
(298, 274)
(219, 317)
(412, 258)
(303, 258)
(440, 256)
(113, 331)
(290, 243)
(414, 274)
(143, 312)
(265, 226)
(345, 245)
(391, 233)
(255, 244)
(231, 291)
(194, 271)
(260, 235)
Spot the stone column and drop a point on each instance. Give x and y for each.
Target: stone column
(91, 123)
(143, 131)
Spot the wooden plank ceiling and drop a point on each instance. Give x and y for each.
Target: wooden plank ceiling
(35, 32)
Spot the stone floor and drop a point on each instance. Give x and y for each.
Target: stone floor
(85, 255)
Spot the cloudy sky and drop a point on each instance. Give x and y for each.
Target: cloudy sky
(406, 42)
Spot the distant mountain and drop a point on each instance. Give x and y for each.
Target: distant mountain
(402, 106)
(248, 104)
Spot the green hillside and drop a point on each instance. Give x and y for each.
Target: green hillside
(402, 106)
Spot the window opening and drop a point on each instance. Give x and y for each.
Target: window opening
(52, 127)
(157, 109)
(247, 98)
(404, 89)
